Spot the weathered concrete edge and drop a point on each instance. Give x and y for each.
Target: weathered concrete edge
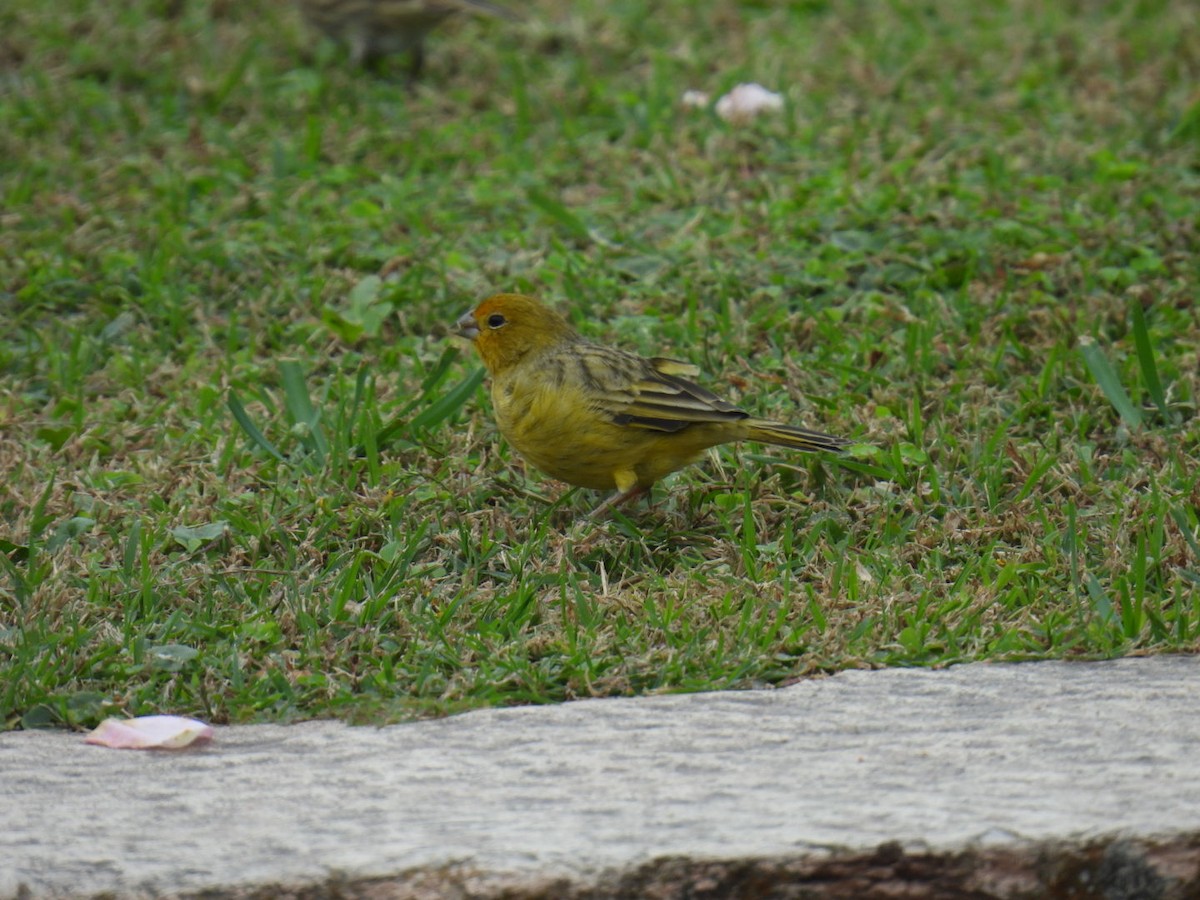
(1113, 867)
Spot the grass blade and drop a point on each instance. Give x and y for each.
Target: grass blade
(558, 213)
(236, 76)
(39, 520)
(1100, 599)
(240, 416)
(1145, 353)
(450, 403)
(400, 422)
(1110, 384)
(1185, 529)
(132, 541)
(300, 406)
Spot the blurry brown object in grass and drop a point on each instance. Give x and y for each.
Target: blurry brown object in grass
(374, 29)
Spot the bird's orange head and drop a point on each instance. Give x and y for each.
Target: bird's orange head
(506, 327)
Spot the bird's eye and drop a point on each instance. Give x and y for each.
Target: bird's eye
(495, 320)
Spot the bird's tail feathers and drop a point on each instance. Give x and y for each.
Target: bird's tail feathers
(797, 438)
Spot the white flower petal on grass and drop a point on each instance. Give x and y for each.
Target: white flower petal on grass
(150, 733)
(746, 101)
(695, 99)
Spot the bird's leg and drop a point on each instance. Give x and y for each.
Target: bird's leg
(361, 51)
(416, 63)
(627, 489)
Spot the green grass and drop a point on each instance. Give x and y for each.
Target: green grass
(250, 477)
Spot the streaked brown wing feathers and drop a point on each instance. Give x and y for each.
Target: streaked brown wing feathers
(648, 393)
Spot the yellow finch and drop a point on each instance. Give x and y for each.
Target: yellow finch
(373, 29)
(599, 417)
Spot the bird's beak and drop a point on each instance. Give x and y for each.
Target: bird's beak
(466, 327)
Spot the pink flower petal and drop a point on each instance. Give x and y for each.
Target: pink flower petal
(746, 101)
(149, 732)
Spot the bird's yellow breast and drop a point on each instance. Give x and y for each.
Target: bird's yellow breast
(555, 426)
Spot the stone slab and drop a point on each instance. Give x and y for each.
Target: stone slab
(982, 757)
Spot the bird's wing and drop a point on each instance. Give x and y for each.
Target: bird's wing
(649, 393)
